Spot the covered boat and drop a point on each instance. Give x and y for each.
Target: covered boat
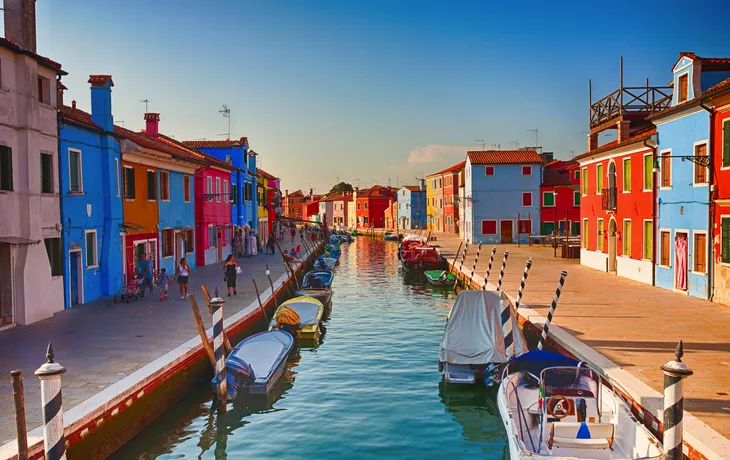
(409, 242)
(255, 364)
(555, 406)
(324, 263)
(472, 348)
(308, 311)
(317, 284)
(422, 258)
(440, 278)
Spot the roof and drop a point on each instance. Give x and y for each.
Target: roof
(183, 149)
(412, 188)
(455, 168)
(265, 174)
(78, 116)
(297, 193)
(526, 156)
(552, 177)
(375, 191)
(704, 61)
(637, 136)
(44, 61)
(718, 88)
(228, 143)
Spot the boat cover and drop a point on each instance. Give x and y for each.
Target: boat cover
(286, 315)
(536, 361)
(317, 279)
(263, 352)
(474, 330)
(412, 237)
(308, 308)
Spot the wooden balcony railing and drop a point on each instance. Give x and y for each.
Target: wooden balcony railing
(630, 100)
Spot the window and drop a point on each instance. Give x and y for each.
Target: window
(74, 171)
(601, 233)
(585, 234)
(526, 199)
(524, 226)
(212, 236)
(576, 175)
(700, 171)
(116, 176)
(665, 248)
(627, 174)
(683, 90)
(91, 249)
(575, 228)
(527, 170)
(358, 206)
(218, 189)
(151, 185)
(44, 90)
(548, 199)
(164, 186)
(547, 228)
(576, 199)
(234, 193)
(726, 143)
(129, 190)
(489, 227)
(584, 182)
(225, 191)
(489, 170)
(365, 219)
(229, 159)
(168, 238)
(725, 240)
(189, 241)
(46, 173)
(366, 205)
(700, 248)
(599, 179)
(186, 188)
(55, 255)
(627, 238)
(648, 239)
(210, 188)
(6, 168)
(648, 172)
(666, 169)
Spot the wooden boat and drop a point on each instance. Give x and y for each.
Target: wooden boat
(324, 263)
(424, 257)
(440, 278)
(255, 364)
(388, 236)
(317, 284)
(554, 406)
(310, 311)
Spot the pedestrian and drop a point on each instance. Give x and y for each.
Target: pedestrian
(182, 272)
(270, 244)
(231, 270)
(164, 282)
(144, 271)
(293, 232)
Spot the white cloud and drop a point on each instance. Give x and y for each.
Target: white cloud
(437, 154)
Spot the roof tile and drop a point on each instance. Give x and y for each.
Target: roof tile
(504, 157)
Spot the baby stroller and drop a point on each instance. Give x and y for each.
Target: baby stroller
(131, 292)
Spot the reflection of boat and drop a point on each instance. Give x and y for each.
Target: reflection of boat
(309, 313)
(554, 406)
(317, 284)
(324, 263)
(440, 278)
(473, 348)
(422, 258)
(474, 407)
(255, 364)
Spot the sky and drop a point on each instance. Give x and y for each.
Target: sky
(366, 92)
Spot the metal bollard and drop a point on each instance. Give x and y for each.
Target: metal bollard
(501, 272)
(522, 283)
(489, 268)
(216, 304)
(674, 373)
(553, 305)
(53, 438)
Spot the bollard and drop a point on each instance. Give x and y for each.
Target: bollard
(506, 316)
(554, 304)
(53, 439)
(501, 272)
(674, 372)
(19, 402)
(522, 283)
(474, 267)
(219, 349)
(463, 257)
(489, 268)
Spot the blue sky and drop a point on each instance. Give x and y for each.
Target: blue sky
(372, 90)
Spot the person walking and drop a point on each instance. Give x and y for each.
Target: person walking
(293, 232)
(164, 283)
(144, 271)
(231, 269)
(182, 272)
(270, 244)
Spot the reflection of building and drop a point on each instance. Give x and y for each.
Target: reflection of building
(475, 410)
(412, 206)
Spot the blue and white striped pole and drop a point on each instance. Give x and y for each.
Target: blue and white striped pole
(501, 272)
(474, 267)
(674, 373)
(53, 438)
(216, 304)
(545, 328)
(463, 257)
(522, 283)
(506, 316)
(489, 268)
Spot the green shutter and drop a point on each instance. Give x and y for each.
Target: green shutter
(726, 143)
(648, 240)
(648, 173)
(576, 199)
(74, 171)
(90, 249)
(547, 228)
(627, 175)
(548, 199)
(726, 240)
(6, 168)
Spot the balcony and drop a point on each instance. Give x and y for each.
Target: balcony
(630, 102)
(608, 199)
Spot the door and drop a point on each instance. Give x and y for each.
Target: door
(6, 285)
(506, 232)
(75, 277)
(138, 248)
(680, 261)
(612, 241)
(178, 247)
(220, 244)
(152, 253)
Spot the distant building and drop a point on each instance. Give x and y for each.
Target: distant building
(294, 204)
(412, 206)
(352, 219)
(560, 198)
(450, 179)
(371, 205)
(340, 210)
(435, 193)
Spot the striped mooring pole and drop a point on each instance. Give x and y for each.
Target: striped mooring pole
(489, 268)
(216, 304)
(674, 373)
(501, 272)
(53, 439)
(545, 328)
(506, 315)
(474, 267)
(522, 283)
(463, 257)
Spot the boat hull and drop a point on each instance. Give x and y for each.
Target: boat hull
(434, 278)
(323, 295)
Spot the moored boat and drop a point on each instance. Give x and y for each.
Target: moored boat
(324, 263)
(388, 236)
(422, 258)
(440, 278)
(317, 284)
(308, 312)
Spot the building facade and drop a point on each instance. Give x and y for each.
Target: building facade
(293, 204)
(212, 213)
(450, 179)
(412, 207)
(340, 210)
(352, 219)
(437, 201)
(560, 198)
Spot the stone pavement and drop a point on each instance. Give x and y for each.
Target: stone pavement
(101, 342)
(635, 325)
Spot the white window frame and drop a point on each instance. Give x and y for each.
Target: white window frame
(708, 169)
(162, 243)
(81, 171)
(689, 86)
(543, 200)
(643, 170)
(517, 226)
(225, 191)
(494, 170)
(523, 170)
(623, 238)
(643, 239)
(215, 230)
(169, 194)
(671, 170)
(523, 200)
(576, 194)
(96, 249)
(209, 184)
(692, 255)
(671, 248)
(157, 186)
(117, 176)
(496, 227)
(218, 189)
(599, 191)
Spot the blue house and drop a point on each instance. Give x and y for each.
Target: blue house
(683, 241)
(91, 198)
(502, 194)
(412, 207)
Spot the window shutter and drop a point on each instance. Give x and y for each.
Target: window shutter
(725, 240)
(6, 168)
(648, 173)
(726, 144)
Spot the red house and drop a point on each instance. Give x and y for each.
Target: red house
(560, 198)
(450, 178)
(310, 209)
(371, 204)
(213, 212)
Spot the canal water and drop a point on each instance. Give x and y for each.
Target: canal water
(370, 390)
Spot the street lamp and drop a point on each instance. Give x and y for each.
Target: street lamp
(698, 160)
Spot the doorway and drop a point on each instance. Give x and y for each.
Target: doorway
(612, 241)
(612, 175)
(6, 285)
(178, 247)
(76, 278)
(680, 261)
(219, 230)
(506, 232)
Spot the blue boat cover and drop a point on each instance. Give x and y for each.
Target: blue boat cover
(536, 361)
(317, 279)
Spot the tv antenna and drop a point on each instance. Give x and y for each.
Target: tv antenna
(481, 141)
(496, 145)
(226, 111)
(146, 105)
(535, 131)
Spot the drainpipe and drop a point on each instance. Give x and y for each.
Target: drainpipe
(654, 206)
(710, 206)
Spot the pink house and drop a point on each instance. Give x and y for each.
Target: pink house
(339, 209)
(213, 213)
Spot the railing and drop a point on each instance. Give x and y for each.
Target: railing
(640, 99)
(608, 199)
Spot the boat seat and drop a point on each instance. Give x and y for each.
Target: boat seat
(581, 435)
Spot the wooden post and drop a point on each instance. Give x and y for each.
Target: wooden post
(219, 351)
(271, 283)
(207, 346)
(455, 258)
(256, 287)
(286, 262)
(206, 294)
(19, 401)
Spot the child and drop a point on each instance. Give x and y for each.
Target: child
(163, 283)
(182, 273)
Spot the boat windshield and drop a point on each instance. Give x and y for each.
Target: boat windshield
(569, 381)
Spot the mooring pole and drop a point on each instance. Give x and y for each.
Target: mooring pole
(506, 316)
(522, 283)
(219, 349)
(474, 267)
(261, 305)
(16, 377)
(463, 257)
(455, 258)
(674, 373)
(554, 304)
(489, 268)
(271, 283)
(501, 272)
(50, 374)
(201, 329)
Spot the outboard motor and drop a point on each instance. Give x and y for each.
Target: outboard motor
(581, 410)
(239, 375)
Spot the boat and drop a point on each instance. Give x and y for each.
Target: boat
(554, 406)
(256, 364)
(324, 263)
(317, 284)
(388, 236)
(410, 242)
(472, 349)
(424, 257)
(440, 278)
(308, 312)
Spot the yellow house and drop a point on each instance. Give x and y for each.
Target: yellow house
(430, 199)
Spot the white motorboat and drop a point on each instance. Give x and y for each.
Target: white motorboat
(554, 406)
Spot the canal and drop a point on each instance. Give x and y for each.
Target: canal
(370, 390)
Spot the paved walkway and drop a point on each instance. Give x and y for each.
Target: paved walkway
(101, 342)
(635, 325)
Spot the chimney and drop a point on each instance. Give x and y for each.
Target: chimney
(311, 191)
(547, 157)
(286, 192)
(101, 101)
(20, 23)
(153, 124)
(59, 93)
(592, 141)
(623, 130)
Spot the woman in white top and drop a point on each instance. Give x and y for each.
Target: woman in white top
(182, 273)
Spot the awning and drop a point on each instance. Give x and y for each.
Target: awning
(18, 241)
